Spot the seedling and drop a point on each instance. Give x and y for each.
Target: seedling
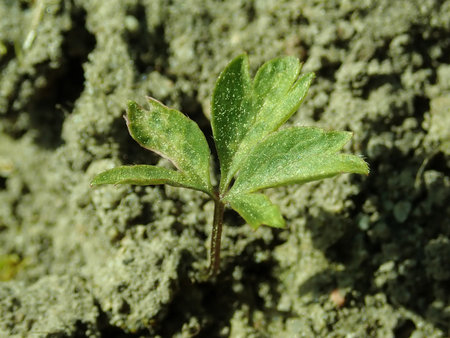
(253, 154)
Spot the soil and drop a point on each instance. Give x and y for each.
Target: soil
(360, 257)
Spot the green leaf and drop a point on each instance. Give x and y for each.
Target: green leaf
(174, 136)
(146, 175)
(256, 209)
(245, 111)
(296, 155)
(231, 113)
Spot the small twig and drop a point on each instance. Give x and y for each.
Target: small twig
(37, 16)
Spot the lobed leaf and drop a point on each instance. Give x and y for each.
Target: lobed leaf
(174, 136)
(256, 209)
(245, 111)
(296, 155)
(146, 175)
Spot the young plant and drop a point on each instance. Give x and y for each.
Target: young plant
(245, 117)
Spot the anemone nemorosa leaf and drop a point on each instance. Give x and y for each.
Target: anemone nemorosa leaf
(145, 175)
(256, 209)
(246, 115)
(172, 135)
(296, 155)
(244, 111)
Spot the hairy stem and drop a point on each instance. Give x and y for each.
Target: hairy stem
(216, 237)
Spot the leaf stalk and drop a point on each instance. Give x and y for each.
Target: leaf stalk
(216, 236)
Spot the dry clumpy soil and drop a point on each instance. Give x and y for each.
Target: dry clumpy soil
(361, 257)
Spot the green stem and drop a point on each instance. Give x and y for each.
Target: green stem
(216, 236)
